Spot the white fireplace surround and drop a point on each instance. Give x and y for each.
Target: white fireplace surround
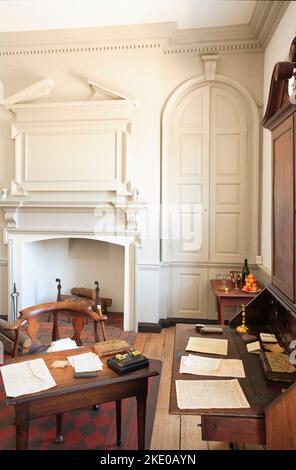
(75, 156)
(38, 221)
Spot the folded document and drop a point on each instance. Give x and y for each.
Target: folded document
(26, 377)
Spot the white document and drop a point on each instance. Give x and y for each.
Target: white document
(208, 364)
(254, 347)
(208, 394)
(226, 367)
(88, 362)
(26, 377)
(208, 345)
(268, 338)
(62, 345)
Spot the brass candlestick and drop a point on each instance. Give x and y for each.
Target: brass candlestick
(242, 329)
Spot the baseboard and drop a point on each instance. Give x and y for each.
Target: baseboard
(149, 327)
(167, 322)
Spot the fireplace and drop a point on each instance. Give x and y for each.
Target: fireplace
(76, 242)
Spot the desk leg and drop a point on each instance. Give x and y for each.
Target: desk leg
(118, 421)
(22, 428)
(59, 439)
(141, 411)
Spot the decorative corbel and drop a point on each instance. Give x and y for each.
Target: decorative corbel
(11, 218)
(210, 62)
(17, 189)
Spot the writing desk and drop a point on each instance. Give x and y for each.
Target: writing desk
(233, 424)
(72, 393)
(232, 298)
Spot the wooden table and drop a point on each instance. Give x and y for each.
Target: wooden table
(72, 393)
(233, 424)
(232, 298)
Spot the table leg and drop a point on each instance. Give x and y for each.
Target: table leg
(118, 422)
(59, 439)
(141, 412)
(22, 428)
(220, 307)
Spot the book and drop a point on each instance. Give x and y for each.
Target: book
(112, 347)
(277, 366)
(127, 364)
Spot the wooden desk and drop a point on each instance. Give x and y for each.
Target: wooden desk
(72, 393)
(229, 425)
(232, 298)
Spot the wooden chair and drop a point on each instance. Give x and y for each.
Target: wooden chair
(31, 318)
(92, 300)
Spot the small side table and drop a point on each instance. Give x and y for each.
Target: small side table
(232, 298)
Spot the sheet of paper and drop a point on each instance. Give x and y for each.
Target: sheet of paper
(208, 394)
(254, 347)
(88, 362)
(202, 363)
(62, 345)
(26, 377)
(226, 368)
(208, 345)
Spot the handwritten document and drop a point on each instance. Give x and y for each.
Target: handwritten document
(207, 394)
(26, 377)
(225, 368)
(208, 345)
(88, 362)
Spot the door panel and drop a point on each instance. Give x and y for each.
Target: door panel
(189, 293)
(189, 175)
(229, 174)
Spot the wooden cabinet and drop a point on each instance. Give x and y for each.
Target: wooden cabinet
(280, 118)
(283, 207)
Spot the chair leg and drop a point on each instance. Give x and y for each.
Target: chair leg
(96, 331)
(59, 439)
(103, 329)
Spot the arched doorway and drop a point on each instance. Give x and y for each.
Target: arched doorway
(209, 186)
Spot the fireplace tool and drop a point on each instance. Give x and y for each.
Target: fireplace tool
(14, 302)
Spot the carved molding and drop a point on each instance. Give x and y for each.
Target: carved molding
(210, 62)
(252, 37)
(10, 217)
(265, 19)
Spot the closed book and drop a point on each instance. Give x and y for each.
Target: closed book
(277, 366)
(112, 347)
(127, 365)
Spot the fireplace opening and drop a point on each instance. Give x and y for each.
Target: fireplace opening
(78, 262)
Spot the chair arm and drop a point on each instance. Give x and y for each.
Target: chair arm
(5, 325)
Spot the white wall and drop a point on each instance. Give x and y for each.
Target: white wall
(149, 75)
(277, 50)
(78, 263)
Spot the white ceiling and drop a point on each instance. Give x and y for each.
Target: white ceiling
(30, 15)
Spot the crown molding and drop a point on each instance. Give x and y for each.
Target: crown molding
(266, 18)
(165, 37)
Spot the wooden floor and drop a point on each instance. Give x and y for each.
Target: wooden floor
(173, 432)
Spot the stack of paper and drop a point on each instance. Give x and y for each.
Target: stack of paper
(62, 345)
(254, 347)
(199, 365)
(198, 394)
(208, 345)
(26, 377)
(268, 338)
(88, 362)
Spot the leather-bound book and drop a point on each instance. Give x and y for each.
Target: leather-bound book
(112, 347)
